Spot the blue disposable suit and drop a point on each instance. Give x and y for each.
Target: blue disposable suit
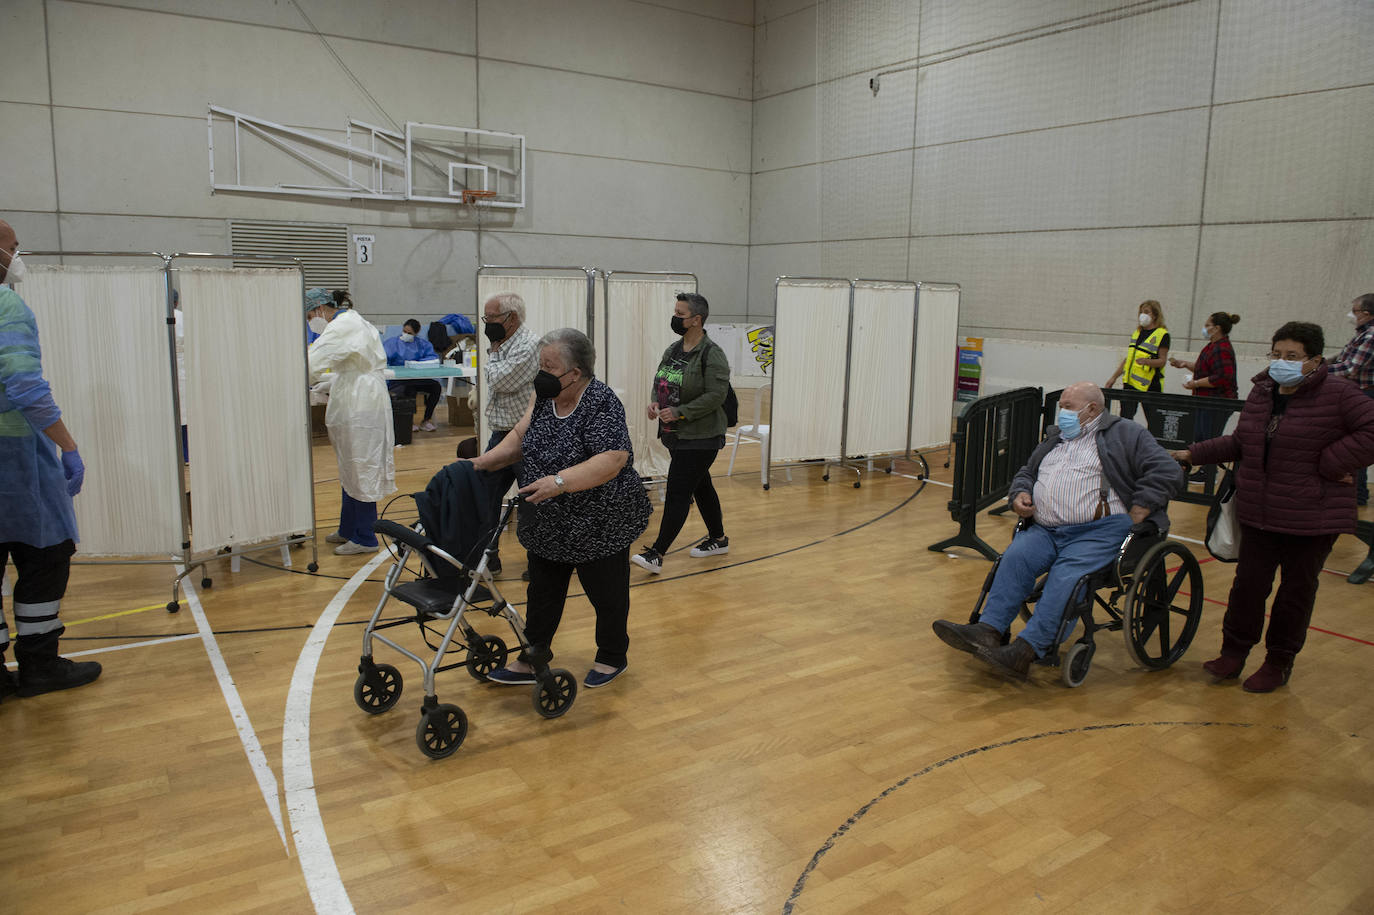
(399, 352)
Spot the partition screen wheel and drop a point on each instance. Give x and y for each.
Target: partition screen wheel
(377, 688)
(555, 694)
(441, 730)
(1073, 669)
(312, 567)
(486, 654)
(1163, 605)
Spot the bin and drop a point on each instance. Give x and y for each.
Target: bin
(402, 416)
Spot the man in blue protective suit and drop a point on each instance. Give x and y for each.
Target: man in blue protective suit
(411, 347)
(37, 520)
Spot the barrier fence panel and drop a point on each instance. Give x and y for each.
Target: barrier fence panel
(635, 309)
(554, 297)
(993, 438)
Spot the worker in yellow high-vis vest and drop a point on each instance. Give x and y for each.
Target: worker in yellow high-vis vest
(1146, 356)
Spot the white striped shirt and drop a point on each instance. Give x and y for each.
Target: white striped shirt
(510, 378)
(1070, 480)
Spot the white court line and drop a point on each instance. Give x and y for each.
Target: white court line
(267, 781)
(150, 642)
(302, 806)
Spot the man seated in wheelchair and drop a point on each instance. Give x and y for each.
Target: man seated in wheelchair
(1084, 486)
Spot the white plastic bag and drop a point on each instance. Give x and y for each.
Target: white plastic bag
(1223, 530)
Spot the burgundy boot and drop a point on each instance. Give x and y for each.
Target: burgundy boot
(1271, 675)
(1224, 667)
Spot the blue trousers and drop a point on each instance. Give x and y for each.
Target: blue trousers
(1067, 553)
(356, 520)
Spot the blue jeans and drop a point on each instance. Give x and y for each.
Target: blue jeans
(1067, 553)
(356, 520)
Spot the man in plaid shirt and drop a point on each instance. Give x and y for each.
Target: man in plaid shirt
(1356, 362)
(511, 364)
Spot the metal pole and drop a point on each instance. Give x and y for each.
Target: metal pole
(911, 388)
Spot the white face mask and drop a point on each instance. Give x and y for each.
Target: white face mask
(1145, 320)
(318, 324)
(16, 270)
(1207, 332)
(406, 338)
(1350, 315)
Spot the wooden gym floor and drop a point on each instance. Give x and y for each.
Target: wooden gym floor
(790, 736)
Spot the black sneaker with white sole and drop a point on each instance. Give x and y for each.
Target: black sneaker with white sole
(711, 546)
(651, 560)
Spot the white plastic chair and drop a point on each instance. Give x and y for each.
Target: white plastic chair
(757, 431)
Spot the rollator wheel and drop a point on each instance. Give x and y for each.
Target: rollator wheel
(441, 730)
(557, 697)
(487, 655)
(376, 690)
(1163, 605)
(207, 582)
(1073, 669)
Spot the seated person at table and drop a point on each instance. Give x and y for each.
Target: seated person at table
(411, 347)
(1077, 486)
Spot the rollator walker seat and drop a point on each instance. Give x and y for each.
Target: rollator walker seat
(447, 589)
(1155, 600)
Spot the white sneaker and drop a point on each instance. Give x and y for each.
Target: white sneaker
(349, 548)
(335, 537)
(414, 428)
(428, 426)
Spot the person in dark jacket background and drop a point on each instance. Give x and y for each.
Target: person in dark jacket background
(1300, 438)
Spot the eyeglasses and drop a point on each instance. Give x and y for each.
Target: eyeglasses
(501, 316)
(1287, 357)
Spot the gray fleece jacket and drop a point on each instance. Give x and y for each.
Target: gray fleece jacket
(1137, 467)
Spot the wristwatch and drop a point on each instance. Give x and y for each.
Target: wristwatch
(558, 479)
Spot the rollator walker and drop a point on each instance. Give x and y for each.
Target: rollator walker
(447, 590)
(1158, 586)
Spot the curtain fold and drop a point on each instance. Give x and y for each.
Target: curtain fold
(932, 408)
(810, 322)
(880, 368)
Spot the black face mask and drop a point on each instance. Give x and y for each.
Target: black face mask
(495, 331)
(679, 325)
(547, 384)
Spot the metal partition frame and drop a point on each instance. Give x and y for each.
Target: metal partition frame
(187, 559)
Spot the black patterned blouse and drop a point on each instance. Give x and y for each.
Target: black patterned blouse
(581, 526)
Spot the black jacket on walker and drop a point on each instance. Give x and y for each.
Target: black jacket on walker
(455, 508)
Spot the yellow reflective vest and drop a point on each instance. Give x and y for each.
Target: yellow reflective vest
(1140, 376)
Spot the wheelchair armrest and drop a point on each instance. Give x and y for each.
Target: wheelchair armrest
(1145, 528)
(402, 534)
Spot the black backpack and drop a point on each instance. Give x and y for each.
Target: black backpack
(731, 404)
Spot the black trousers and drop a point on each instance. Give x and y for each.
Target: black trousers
(1262, 555)
(689, 477)
(606, 582)
(498, 481)
(426, 386)
(42, 582)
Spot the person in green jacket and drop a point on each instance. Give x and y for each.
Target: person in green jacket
(688, 401)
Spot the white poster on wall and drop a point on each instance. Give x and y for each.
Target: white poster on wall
(364, 249)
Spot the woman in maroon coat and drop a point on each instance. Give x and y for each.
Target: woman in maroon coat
(1300, 437)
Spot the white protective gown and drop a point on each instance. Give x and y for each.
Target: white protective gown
(359, 411)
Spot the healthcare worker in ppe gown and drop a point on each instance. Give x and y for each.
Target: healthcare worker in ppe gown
(348, 354)
(37, 519)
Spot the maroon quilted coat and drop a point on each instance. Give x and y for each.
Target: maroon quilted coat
(1326, 432)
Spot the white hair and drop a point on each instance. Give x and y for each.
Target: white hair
(510, 301)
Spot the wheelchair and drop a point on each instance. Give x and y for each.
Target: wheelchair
(1154, 598)
(447, 590)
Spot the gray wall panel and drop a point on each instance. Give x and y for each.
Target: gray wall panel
(36, 232)
(1273, 47)
(866, 198)
(857, 123)
(785, 130)
(26, 170)
(767, 263)
(26, 56)
(767, 10)
(785, 53)
(949, 24)
(865, 35)
(786, 206)
(1303, 157)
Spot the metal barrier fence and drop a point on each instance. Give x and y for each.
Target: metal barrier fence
(993, 438)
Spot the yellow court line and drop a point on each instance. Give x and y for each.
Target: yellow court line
(108, 616)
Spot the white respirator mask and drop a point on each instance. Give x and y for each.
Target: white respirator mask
(406, 338)
(318, 324)
(17, 269)
(1145, 320)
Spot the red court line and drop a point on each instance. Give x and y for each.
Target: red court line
(1339, 635)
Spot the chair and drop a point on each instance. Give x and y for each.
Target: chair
(757, 431)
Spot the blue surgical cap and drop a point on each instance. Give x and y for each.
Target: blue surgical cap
(315, 297)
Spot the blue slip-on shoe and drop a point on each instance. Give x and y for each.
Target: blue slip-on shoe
(507, 677)
(596, 678)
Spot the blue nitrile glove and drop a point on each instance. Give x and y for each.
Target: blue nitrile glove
(74, 470)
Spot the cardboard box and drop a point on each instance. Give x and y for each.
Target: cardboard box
(458, 412)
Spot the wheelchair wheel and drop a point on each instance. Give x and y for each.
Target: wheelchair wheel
(1073, 669)
(1163, 605)
(553, 698)
(377, 687)
(441, 730)
(488, 654)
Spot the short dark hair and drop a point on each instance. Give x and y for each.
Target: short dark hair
(412, 323)
(1309, 335)
(341, 298)
(696, 304)
(1224, 320)
(1366, 302)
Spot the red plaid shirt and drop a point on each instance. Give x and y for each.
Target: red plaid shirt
(1356, 361)
(1216, 363)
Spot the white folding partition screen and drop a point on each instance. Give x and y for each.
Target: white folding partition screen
(634, 311)
(880, 357)
(246, 412)
(554, 297)
(106, 356)
(937, 331)
(811, 319)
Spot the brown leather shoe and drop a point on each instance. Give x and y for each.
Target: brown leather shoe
(1268, 678)
(1224, 667)
(967, 636)
(1012, 661)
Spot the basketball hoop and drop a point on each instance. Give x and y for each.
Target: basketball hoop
(471, 197)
